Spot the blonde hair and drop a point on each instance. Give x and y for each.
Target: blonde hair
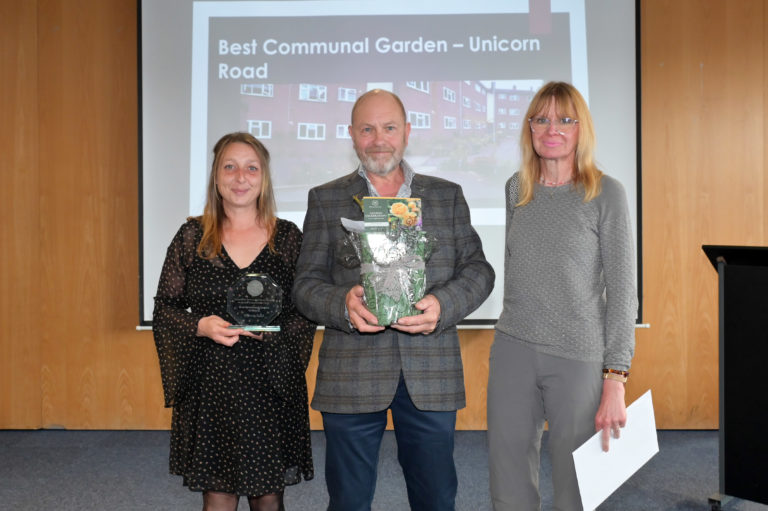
(568, 102)
(214, 215)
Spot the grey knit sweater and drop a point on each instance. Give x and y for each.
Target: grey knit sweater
(569, 277)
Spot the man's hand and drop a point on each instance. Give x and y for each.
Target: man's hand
(424, 323)
(360, 317)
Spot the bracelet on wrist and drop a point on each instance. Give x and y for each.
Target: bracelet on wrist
(616, 375)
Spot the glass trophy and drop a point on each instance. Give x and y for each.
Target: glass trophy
(254, 301)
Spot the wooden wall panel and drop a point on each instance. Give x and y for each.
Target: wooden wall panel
(97, 371)
(20, 319)
(69, 156)
(475, 350)
(764, 65)
(703, 90)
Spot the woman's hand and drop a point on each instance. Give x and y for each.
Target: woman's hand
(612, 414)
(215, 328)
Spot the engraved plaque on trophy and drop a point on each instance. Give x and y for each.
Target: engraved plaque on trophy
(255, 300)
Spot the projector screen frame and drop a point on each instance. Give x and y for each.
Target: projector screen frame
(144, 305)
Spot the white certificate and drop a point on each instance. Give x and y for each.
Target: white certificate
(601, 473)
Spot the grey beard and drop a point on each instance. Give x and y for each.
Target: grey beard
(370, 165)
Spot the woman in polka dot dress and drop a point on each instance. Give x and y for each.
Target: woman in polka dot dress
(240, 417)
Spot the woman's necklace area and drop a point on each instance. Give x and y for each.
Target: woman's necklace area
(546, 182)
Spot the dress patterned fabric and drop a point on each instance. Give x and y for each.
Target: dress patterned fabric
(240, 417)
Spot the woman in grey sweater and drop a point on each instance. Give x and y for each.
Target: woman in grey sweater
(565, 339)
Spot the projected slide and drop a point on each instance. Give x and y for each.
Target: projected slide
(289, 72)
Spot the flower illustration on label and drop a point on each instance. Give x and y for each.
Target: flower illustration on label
(399, 209)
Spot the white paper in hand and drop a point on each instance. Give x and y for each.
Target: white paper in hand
(601, 473)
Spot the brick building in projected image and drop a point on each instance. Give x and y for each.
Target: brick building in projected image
(459, 129)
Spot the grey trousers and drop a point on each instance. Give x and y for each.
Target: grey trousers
(525, 388)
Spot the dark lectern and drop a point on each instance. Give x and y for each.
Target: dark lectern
(743, 285)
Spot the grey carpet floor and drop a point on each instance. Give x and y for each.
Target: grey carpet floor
(127, 470)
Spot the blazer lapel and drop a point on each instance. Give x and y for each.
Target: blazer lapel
(356, 187)
(417, 187)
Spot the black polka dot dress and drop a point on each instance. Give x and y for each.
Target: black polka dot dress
(240, 417)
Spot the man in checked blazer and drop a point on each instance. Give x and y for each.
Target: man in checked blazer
(412, 367)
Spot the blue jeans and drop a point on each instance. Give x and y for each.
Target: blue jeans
(424, 450)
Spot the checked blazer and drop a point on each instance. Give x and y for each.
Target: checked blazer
(359, 373)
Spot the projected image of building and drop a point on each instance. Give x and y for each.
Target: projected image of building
(466, 131)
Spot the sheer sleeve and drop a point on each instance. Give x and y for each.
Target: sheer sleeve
(173, 325)
(289, 350)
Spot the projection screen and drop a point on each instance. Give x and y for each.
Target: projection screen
(289, 72)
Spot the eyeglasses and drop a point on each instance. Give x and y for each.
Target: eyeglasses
(541, 124)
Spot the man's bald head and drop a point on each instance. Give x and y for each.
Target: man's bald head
(376, 93)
